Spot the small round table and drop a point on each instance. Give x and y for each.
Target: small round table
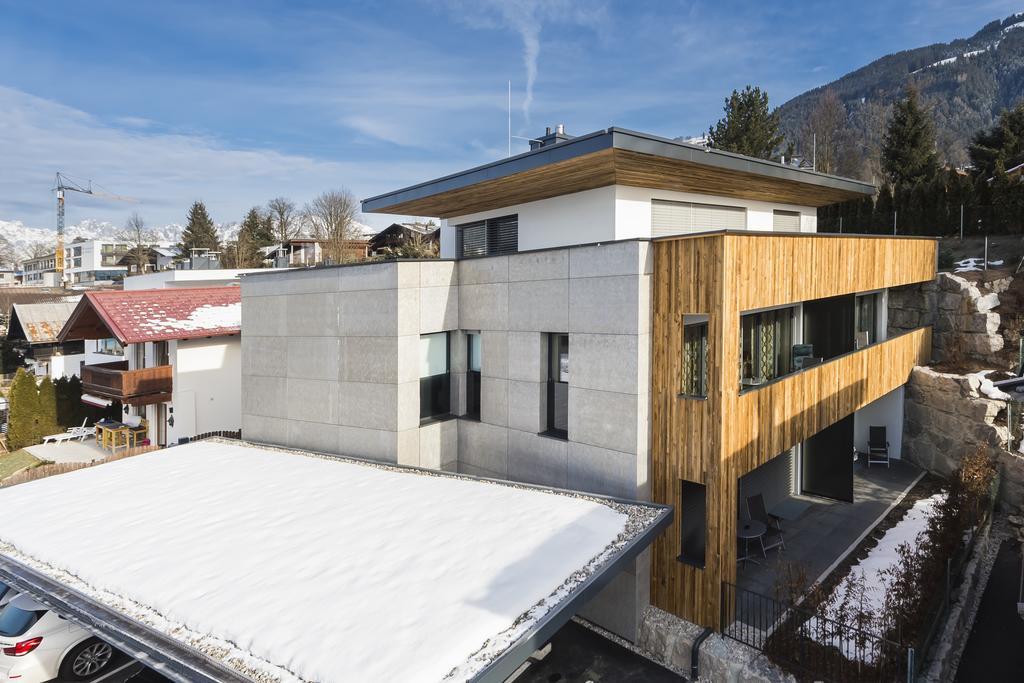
(748, 530)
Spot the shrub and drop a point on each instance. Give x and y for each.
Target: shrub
(46, 413)
(23, 398)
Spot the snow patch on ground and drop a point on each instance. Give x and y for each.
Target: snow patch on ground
(206, 317)
(974, 264)
(292, 567)
(880, 558)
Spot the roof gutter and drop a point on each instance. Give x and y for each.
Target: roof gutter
(156, 650)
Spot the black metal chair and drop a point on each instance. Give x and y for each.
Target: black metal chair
(878, 447)
(758, 511)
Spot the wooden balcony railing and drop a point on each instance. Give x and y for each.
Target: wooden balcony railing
(136, 387)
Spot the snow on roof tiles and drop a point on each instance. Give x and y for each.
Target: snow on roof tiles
(145, 315)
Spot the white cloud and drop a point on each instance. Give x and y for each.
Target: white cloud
(163, 172)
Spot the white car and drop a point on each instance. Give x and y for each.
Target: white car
(38, 645)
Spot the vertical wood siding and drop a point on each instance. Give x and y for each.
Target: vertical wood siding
(717, 440)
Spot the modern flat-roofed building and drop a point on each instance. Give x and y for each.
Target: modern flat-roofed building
(40, 271)
(614, 313)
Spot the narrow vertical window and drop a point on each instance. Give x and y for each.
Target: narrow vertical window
(558, 385)
(473, 364)
(695, 356)
(435, 378)
(692, 523)
(867, 320)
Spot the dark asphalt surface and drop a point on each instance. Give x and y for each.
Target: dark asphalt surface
(580, 655)
(995, 647)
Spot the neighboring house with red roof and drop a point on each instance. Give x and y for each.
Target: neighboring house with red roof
(183, 367)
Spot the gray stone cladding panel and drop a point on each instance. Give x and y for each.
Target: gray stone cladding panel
(550, 264)
(312, 315)
(265, 396)
(536, 459)
(483, 307)
(312, 358)
(602, 260)
(265, 316)
(605, 362)
(608, 305)
(538, 305)
(484, 447)
(603, 471)
(264, 356)
(603, 418)
(311, 400)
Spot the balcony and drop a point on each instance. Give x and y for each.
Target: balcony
(134, 387)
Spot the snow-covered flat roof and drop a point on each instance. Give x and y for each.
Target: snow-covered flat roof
(291, 566)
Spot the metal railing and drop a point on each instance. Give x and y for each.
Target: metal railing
(809, 644)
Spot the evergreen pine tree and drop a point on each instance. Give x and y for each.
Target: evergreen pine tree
(46, 418)
(199, 232)
(23, 400)
(881, 220)
(251, 237)
(748, 127)
(908, 148)
(1002, 142)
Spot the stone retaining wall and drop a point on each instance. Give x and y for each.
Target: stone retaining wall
(961, 315)
(946, 416)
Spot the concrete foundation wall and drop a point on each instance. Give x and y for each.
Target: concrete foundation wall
(330, 362)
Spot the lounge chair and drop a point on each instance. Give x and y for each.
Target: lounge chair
(878, 447)
(773, 536)
(59, 438)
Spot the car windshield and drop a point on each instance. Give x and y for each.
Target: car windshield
(15, 621)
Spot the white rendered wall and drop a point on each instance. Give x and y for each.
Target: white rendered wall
(886, 411)
(207, 393)
(633, 210)
(578, 218)
(69, 365)
(616, 212)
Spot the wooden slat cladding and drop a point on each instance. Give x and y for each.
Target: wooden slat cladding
(617, 166)
(717, 440)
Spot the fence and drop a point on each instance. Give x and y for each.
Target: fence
(809, 644)
(955, 567)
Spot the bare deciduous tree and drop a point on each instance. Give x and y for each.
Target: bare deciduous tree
(825, 133)
(7, 256)
(38, 250)
(331, 219)
(140, 240)
(285, 219)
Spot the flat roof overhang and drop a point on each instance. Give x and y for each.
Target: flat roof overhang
(181, 662)
(616, 157)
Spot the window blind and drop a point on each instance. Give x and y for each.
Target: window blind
(674, 218)
(786, 221)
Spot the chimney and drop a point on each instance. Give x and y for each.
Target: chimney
(551, 138)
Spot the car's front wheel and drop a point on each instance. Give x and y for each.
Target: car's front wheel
(85, 660)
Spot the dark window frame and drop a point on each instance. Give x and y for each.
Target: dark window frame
(553, 381)
(782, 353)
(435, 390)
(473, 377)
(694, 375)
(693, 523)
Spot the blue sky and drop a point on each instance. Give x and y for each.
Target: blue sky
(237, 102)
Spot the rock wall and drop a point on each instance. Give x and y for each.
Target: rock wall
(947, 416)
(960, 311)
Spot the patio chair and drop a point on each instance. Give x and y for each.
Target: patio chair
(878, 447)
(758, 511)
(59, 438)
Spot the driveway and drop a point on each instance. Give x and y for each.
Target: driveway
(994, 651)
(581, 655)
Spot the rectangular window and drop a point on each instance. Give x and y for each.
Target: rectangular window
(558, 385)
(161, 353)
(490, 237)
(473, 352)
(674, 218)
(785, 221)
(866, 323)
(109, 346)
(766, 345)
(435, 378)
(695, 356)
(692, 523)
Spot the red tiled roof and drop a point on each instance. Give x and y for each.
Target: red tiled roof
(137, 316)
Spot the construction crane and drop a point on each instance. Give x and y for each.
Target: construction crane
(65, 183)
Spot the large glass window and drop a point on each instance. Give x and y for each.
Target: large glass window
(766, 345)
(695, 356)
(435, 378)
(473, 351)
(558, 385)
(866, 313)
